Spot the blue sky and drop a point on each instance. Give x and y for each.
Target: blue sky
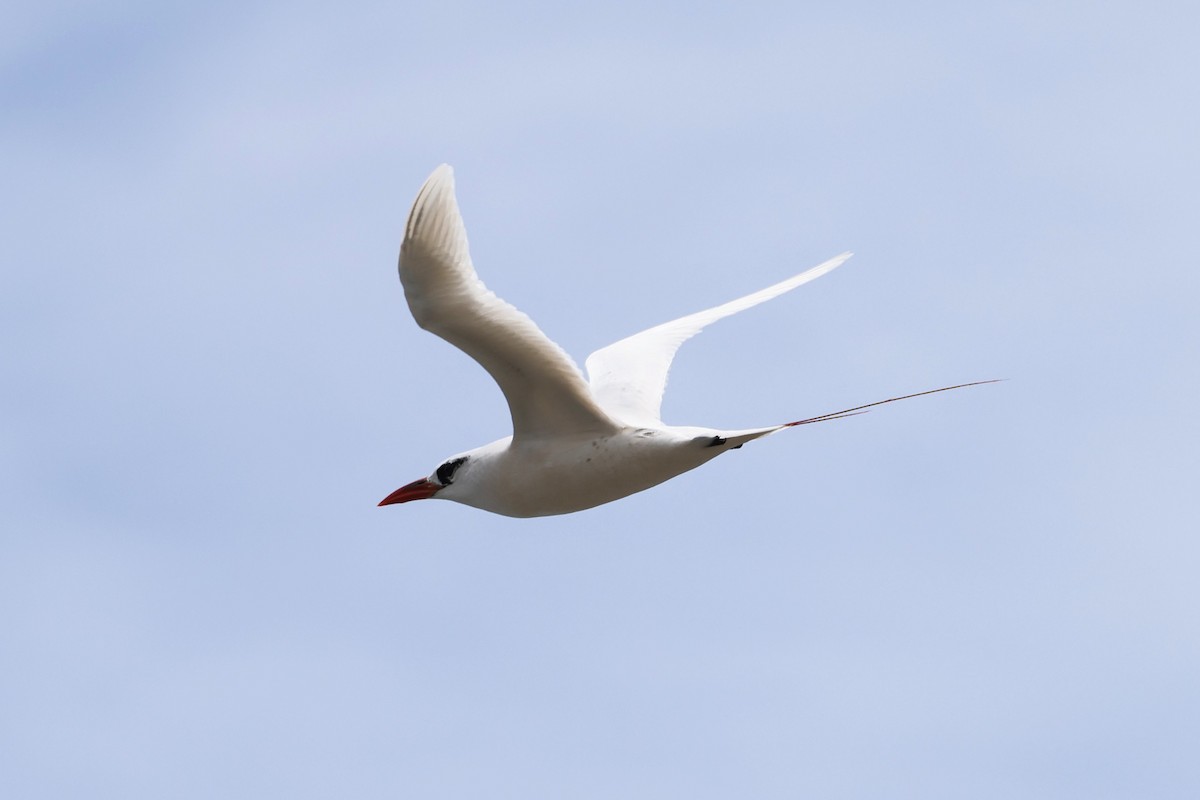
(210, 378)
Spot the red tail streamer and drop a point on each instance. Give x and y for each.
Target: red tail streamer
(853, 412)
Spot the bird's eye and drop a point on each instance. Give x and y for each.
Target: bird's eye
(445, 473)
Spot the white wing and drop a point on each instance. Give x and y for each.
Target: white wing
(546, 393)
(629, 376)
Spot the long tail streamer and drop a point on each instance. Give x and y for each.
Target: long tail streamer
(854, 412)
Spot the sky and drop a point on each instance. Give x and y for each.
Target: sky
(210, 378)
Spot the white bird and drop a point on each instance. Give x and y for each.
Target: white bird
(575, 444)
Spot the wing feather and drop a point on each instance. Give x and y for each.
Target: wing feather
(546, 393)
(628, 377)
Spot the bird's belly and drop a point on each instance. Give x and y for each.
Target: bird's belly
(562, 477)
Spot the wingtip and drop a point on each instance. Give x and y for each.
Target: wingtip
(823, 268)
(434, 203)
(442, 173)
(441, 176)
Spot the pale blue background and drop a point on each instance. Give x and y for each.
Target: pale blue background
(210, 378)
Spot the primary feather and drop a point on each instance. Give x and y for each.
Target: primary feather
(628, 377)
(545, 390)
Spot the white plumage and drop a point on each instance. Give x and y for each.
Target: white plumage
(575, 443)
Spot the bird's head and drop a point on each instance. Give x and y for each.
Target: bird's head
(423, 488)
(449, 481)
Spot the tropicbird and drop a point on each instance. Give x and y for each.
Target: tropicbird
(575, 443)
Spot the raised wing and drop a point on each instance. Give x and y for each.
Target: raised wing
(546, 393)
(628, 377)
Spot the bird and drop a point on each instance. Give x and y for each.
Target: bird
(575, 443)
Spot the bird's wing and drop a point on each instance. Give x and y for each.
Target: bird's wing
(546, 393)
(629, 376)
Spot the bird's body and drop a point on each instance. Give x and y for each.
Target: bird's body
(575, 444)
(538, 477)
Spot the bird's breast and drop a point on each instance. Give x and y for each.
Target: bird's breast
(539, 478)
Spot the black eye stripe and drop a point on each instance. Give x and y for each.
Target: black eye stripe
(445, 473)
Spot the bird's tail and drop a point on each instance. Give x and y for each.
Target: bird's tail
(853, 412)
(739, 438)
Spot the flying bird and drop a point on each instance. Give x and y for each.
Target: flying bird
(575, 444)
